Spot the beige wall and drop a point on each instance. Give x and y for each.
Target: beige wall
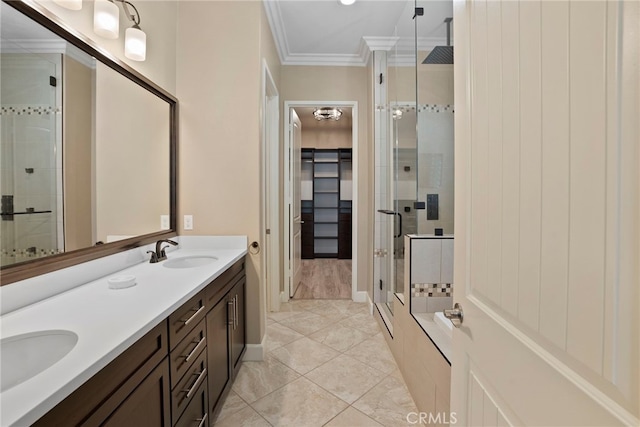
(326, 138)
(306, 83)
(435, 83)
(131, 157)
(158, 22)
(78, 140)
(220, 128)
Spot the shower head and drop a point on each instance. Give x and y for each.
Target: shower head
(442, 54)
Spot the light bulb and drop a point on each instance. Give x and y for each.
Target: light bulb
(106, 19)
(347, 2)
(135, 44)
(69, 4)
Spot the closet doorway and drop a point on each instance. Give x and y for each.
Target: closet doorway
(326, 161)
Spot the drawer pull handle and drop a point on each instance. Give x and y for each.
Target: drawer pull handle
(195, 350)
(186, 322)
(196, 384)
(232, 313)
(203, 420)
(235, 312)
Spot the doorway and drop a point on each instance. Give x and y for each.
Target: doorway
(320, 179)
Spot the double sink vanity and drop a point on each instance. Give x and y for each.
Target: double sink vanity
(94, 331)
(161, 353)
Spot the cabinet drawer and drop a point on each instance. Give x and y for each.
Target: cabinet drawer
(188, 386)
(187, 351)
(196, 412)
(219, 287)
(184, 319)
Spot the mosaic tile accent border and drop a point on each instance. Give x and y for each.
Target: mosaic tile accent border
(435, 290)
(19, 111)
(435, 108)
(430, 108)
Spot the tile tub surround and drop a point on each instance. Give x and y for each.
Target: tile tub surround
(429, 298)
(337, 376)
(107, 321)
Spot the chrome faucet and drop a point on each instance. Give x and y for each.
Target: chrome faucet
(160, 254)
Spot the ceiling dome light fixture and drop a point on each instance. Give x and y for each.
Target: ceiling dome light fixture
(327, 113)
(347, 2)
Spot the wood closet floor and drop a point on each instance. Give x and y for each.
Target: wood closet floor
(325, 279)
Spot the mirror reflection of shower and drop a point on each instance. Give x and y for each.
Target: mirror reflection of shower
(31, 156)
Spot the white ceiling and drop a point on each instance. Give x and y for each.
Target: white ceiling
(324, 32)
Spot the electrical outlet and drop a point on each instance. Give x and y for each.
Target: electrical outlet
(188, 222)
(164, 222)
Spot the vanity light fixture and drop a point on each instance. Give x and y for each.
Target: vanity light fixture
(69, 4)
(347, 2)
(327, 113)
(106, 20)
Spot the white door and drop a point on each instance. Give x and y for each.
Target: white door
(295, 159)
(547, 213)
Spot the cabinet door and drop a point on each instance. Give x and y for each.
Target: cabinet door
(238, 326)
(148, 404)
(217, 351)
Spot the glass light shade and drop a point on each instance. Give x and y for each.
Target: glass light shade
(347, 2)
(106, 19)
(69, 4)
(135, 44)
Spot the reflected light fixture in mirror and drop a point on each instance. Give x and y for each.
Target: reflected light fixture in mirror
(69, 4)
(106, 17)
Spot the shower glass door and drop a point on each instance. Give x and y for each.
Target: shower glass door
(30, 156)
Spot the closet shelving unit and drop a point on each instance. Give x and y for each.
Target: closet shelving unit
(325, 214)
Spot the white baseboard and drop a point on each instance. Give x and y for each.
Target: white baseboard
(283, 297)
(360, 296)
(370, 304)
(254, 352)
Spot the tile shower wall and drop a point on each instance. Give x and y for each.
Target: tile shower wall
(431, 273)
(31, 161)
(435, 165)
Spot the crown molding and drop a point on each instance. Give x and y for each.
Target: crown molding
(381, 43)
(274, 17)
(47, 47)
(360, 59)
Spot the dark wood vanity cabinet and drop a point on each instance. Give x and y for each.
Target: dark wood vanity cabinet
(225, 333)
(177, 374)
(131, 390)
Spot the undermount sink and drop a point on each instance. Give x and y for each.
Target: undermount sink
(189, 261)
(25, 356)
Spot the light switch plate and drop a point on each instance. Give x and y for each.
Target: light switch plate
(188, 222)
(164, 222)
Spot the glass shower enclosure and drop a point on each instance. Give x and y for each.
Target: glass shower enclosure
(30, 155)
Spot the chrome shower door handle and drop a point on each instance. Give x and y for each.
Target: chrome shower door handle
(456, 315)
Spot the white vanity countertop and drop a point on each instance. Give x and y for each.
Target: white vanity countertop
(107, 321)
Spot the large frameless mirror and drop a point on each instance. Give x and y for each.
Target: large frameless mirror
(87, 150)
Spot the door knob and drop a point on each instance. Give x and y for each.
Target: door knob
(456, 315)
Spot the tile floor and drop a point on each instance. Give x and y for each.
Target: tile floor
(326, 364)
